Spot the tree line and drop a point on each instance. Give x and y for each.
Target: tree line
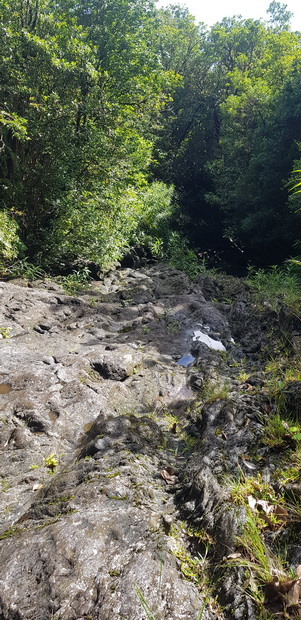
(124, 124)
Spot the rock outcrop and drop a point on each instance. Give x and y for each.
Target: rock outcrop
(114, 455)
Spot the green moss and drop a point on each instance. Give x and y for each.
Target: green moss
(5, 485)
(12, 531)
(113, 474)
(189, 441)
(190, 566)
(118, 497)
(4, 332)
(61, 500)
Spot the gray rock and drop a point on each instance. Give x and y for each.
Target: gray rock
(112, 454)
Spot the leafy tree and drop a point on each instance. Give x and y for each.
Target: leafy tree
(81, 92)
(279, 16)
(259, 122)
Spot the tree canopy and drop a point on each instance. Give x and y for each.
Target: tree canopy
(120, 122)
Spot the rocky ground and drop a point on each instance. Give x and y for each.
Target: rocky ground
(119, 432)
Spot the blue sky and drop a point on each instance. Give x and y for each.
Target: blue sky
(211, 11)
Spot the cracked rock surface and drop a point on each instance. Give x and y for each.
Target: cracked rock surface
(112, 452)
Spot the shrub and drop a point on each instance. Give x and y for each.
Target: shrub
(10, 243)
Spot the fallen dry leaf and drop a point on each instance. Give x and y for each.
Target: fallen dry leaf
(287, 591)
(36, 487)
(233, 556)
(293, 594)
(264, 505)
(269, 510)
(275, 590)
(281, 513)
(252, 502)
(272, 592)
(248, 465)
(169, 478)
(170, 470)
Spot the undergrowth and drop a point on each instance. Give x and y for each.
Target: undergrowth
(279, 284)
(75, 281)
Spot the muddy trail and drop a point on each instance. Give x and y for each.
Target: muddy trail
(133, 418)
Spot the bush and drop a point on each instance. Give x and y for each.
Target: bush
(101, 228)
(10, 243)
(277, 282)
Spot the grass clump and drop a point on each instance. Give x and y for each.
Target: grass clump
(258, 557)
(23, 268)
(75, 281)
(279, 371)
(212, 391)
(281, 433)
(277, 284)
(242, 487)
(290, 469)
(262, 567)
(181, 256)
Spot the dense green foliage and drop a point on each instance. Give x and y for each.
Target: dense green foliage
(241, 119)
(110, 112)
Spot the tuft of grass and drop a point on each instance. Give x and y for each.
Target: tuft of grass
(242, 487)
(212, 391)
(279, 371)
(145, 606)
(279, 432)
(182, 257)
(290, 469)
(76, 281)
(277, 284)
(25, 269)
(261, 565)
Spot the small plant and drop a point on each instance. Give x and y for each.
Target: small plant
(76, 281)
(212, 391)
(145, 606)
(173, 326)
(279, 432)
(171, 420)
(23, 268)
(92, 302)
(279, 371)
(4, 332)
(190, 442)
(51, 463)
(290, 470)
(277, 284)
(243, 377)
(267, 579)
(243, 487)
(182, 257)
